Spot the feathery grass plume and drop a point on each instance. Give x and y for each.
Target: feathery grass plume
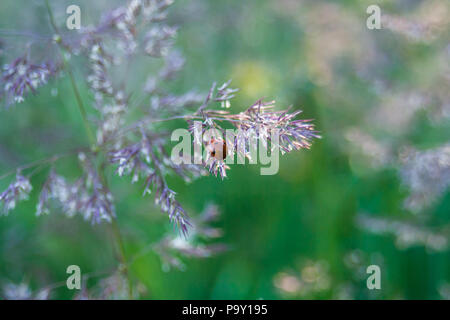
(256, 124)
(378, 153)
(149, 160)
(170, 249)
(114, 287)
(406, 234)
(87, 196)
(17, 191)
(21, 77)
(427, 175)
(22, 291)
(99, 202)
(123, 117)
(428, 23)
(139, 29)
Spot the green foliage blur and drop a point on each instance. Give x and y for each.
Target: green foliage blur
(290, 235)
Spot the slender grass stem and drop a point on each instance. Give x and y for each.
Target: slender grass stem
(67, 67)
(81, 106)
(124, 268)
(116, 231)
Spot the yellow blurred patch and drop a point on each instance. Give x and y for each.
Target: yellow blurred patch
(253, 78)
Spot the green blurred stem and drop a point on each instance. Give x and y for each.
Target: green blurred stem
(71, 76)
(123, 268)
(80, 106)
(115, 227)
(122, 256)
(50, 15)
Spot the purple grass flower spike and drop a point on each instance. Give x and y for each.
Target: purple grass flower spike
(16, 191)
(21, 77)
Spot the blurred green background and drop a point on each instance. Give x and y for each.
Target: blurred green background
(295, 234)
